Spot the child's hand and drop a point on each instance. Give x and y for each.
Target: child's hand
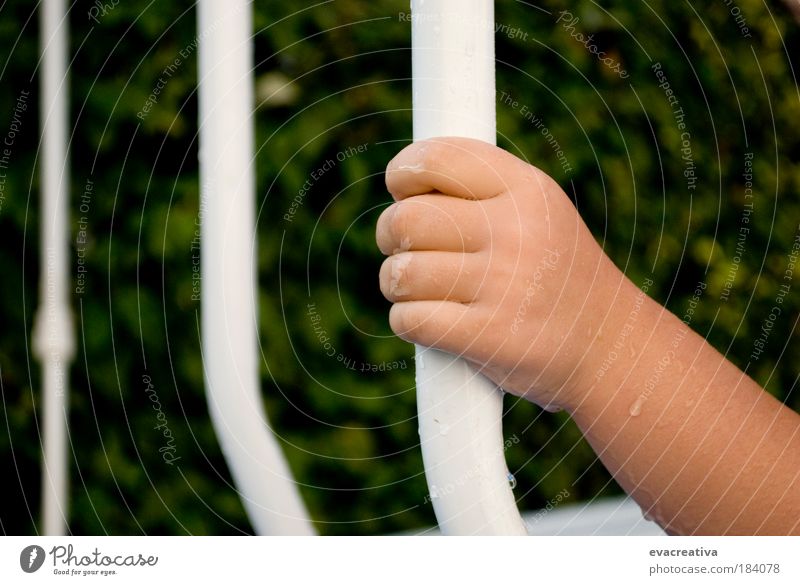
(489, 260)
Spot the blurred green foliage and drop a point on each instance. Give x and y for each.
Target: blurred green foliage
(331, 77)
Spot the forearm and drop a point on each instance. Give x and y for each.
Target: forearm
(489, 260)
(700, 446)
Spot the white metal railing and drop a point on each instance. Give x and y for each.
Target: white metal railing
(53, 335)
(228, 295)
(454, 95)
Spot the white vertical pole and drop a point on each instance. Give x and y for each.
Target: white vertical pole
(53, 340)
(229, 317)
(460, 411)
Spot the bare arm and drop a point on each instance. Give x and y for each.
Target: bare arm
(488, 259)
(699, 445)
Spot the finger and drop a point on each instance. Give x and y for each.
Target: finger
(459, 329)
(432, 276)
(438, 324)
(433, 222)
(460, 167)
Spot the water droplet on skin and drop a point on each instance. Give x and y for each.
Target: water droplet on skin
(636, 407)
(512, 481)
(419, 431)
(434, 493)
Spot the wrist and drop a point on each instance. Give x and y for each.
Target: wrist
(621, 312)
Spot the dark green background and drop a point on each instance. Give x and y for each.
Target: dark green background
(350, 436)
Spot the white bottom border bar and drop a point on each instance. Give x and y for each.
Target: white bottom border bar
(402, 560)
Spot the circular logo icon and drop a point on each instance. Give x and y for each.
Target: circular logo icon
(31, 558)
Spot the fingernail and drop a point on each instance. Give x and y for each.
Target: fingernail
(405, 245)
(397, 285)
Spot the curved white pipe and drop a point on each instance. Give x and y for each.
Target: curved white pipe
(227, 206)
(460, 411)
(53, 340)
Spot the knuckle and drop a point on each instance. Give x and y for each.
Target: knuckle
(401, 319)
(433, 154)
(397, 281)
(383, 230)
(389, 179)
(385, 279)
(400, 220)
(409, 321)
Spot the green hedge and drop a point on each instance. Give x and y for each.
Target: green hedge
(351, 435)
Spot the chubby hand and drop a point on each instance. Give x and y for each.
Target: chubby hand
(488, 259)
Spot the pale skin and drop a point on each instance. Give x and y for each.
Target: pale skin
(488, 259)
